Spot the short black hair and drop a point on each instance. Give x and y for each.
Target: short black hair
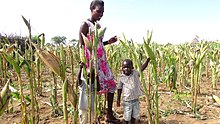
(95, 3)
(129, 61)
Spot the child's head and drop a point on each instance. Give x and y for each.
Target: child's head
(127, 67)
(97, 9)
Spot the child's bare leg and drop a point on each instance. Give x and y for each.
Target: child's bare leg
(125, 122)
(133, 120)
(110, 116)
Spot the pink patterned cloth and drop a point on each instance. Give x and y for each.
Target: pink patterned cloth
(105, 75)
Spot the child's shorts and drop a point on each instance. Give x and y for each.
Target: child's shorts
(131, 109)
(84, 116)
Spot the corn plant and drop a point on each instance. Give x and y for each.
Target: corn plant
(16, 67)
(4, 97)
(28, 69)
(171, 71)
(215, 68)
(196, 58)
(183, 60)
(39, 64)
(150, 53)
(73, 83)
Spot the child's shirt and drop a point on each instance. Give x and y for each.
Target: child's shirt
(130, 85)
(83, 96)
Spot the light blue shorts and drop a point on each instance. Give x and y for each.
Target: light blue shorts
(131, 109)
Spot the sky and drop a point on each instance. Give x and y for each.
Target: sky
(172, 21)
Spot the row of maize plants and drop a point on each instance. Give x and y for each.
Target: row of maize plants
(175, 66)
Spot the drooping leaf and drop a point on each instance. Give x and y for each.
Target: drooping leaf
(13, 63)
(26, 66)
(27, 23)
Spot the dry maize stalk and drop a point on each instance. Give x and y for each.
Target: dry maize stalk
(71, 94)
(4, 98)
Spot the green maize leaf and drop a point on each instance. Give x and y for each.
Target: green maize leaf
(131, 44)
(198, 61)
(26, 66)
(2, 109)
(82, 57)
(64, 88)
(149, 37)
(5, 96)
(101, 32)
(4, 40)
(114, 53)
(127, 47)
(87, 42)
(63, 66)
(42, 40)
(24, 63)
(191, 54)
(96, 38)
(13, 63)
(27, 98)
(16, 95)
(215, 54)
(124, 45)
(124, 37)
(27, 23)
(211, 56)
(96, 31)
(149, 52)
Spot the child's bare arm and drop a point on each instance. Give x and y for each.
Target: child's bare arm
(143, 67)
(111, 40)
(79, 73)
(119, 97)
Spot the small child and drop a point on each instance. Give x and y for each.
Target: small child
(129, 83)
(83, 97)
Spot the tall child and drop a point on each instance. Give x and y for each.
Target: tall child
(83, 97)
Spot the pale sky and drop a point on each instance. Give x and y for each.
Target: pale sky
(173, 21)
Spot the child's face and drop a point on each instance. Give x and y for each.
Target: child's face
(97, 13)
(127, 67)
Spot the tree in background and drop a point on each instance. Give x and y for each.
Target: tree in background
(73, 42)
(58, 40)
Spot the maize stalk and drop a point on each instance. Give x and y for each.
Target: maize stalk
(196, 72)
(72, 94)
(65, 82)
(149, 52)
(5, 97)
(18, 72)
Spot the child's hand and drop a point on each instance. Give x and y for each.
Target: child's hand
(112, 40)
(81, 64)
(118, 103)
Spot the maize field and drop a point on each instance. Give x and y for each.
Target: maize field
(38, 84)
